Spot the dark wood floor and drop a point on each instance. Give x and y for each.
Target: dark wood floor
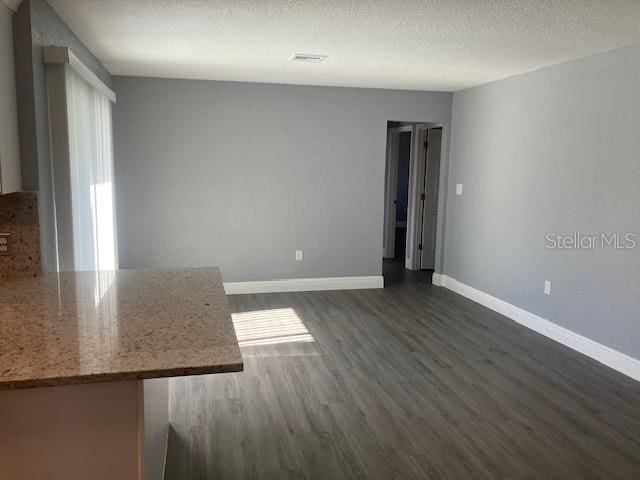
(412, 381)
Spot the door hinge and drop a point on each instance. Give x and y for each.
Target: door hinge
(422, 197)
(426, 144)
(420, 247)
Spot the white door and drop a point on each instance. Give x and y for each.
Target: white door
(430, 199)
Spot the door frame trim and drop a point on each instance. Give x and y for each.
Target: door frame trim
(416, 172)
(421, 217)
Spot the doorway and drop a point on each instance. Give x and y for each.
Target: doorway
(402, 195)
(412, 195)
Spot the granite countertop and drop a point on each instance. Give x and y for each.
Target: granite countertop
(84, 327)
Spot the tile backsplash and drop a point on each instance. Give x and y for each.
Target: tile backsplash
(19, 218)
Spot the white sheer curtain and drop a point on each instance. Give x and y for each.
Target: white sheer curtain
(91, 174)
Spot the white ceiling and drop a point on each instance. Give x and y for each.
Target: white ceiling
(405, 44)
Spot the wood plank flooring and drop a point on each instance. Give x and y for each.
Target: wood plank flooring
(409, 382)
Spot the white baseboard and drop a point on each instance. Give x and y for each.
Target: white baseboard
(304, 285)
(608, 356)
(438, 279)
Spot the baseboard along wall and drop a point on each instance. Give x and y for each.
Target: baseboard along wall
(304, 285)
(608, 356)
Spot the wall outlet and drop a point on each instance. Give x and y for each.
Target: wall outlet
(459, 189)
(547, 287)
(298, 255)
(5, 244)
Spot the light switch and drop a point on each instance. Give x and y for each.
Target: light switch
(459, 189)
(298, 255)
(547, 287)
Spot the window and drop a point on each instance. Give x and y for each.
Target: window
(82, 164)
(91, 175)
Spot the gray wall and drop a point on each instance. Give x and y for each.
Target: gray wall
(22, 49)
(553, 150)
(241, 175)
(36, 25)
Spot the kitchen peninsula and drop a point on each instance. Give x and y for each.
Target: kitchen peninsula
(84, 358)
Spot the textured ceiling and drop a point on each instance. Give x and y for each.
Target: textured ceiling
(406, 44)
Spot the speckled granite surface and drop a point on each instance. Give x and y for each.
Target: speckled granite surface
(83, 327)
(19, 216)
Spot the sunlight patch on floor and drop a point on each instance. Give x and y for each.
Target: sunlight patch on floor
(270, 327)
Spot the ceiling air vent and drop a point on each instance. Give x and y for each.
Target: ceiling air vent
(307, 58)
